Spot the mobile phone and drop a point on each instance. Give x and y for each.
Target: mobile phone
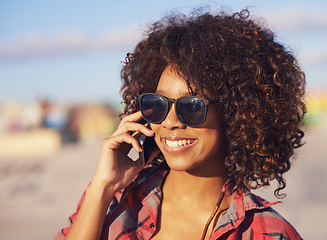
(149, 148)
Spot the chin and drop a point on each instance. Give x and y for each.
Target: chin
(181, 164)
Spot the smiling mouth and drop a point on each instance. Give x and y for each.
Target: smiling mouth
(179, 143)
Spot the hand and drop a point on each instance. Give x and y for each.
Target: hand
(115, 169)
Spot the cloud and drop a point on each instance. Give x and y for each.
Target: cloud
(298, 18)
(295, 19)
(307, 25)
(67, 42)
(314, 58)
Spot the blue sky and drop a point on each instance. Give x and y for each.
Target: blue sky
(71, 50)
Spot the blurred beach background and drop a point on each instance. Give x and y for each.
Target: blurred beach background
(59, 97)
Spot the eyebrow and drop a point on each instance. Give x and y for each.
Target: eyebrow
(161, 92)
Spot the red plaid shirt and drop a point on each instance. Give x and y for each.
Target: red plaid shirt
(134, 215)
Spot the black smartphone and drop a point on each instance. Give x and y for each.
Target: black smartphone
(148, 146)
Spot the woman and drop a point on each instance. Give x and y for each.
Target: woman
(224, 102)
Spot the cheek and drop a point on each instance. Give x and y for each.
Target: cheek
(212, 141)
(214, 134)
(155, 128)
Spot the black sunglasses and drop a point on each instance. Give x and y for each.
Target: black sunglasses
(190, 110)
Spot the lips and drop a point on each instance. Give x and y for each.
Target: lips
(178, 143)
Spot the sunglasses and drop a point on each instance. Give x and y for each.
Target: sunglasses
(190, 110)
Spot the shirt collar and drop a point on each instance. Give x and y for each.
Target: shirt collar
(242, 201)
(150, 182)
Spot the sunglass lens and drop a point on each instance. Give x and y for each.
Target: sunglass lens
(191, 111)
(153, 108)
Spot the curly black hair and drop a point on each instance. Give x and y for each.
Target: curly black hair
(237, 61)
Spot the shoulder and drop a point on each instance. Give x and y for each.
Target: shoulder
(263, 220)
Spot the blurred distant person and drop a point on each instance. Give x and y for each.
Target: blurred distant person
(224, 103)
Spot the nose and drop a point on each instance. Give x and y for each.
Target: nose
(171, 121)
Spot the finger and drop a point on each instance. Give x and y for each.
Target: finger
(115, 142)
(134, 117)
(133, 127)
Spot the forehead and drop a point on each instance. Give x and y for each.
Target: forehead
(173, 84)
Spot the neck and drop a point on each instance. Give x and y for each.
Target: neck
(184, 187)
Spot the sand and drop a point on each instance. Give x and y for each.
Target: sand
(37, 194)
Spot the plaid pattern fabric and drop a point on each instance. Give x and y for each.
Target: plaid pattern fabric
(134, 215)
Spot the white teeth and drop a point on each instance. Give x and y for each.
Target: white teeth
(179, 143)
